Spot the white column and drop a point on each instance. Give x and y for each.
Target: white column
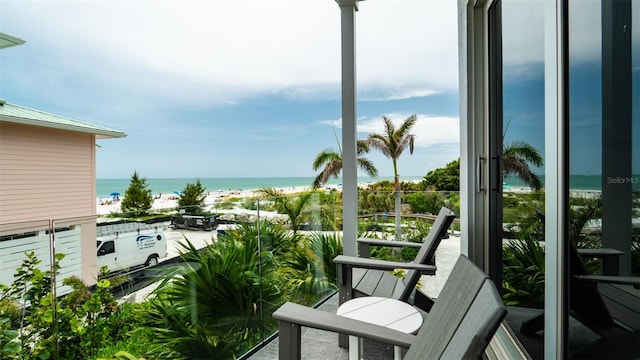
(348, 10)
(555, 299)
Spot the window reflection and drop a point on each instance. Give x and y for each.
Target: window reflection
(523, 152)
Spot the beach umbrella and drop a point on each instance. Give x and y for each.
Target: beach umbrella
(177, 193)
(115, 194)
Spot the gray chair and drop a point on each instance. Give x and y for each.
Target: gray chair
(461, 323)
(607, 304)
(361, 276)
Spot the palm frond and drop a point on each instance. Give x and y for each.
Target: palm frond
(367, 166)
(325, 157)
(524, 150)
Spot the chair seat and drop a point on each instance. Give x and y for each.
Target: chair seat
(623, 302)
(370, 282)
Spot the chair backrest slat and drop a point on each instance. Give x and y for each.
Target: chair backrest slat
(459, 317)
(427, 251)
(478, 326)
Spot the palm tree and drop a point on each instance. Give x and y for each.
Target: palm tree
(516, 157)
(392, 143)
(331, 162)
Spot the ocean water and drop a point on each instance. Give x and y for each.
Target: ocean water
(104, 187)
(168, 186)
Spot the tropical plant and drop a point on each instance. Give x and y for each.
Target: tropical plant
(581, 211)
(330, 209)
(272, 237)
(371, 202)
(330, 161)
(137, 199)
(392, 143)
(131, 338)
(523, 272)
(218, 304)
(308, 269)
(326, 247)
(305, 280)
(192, 197)
(296, 207)
(75, 326)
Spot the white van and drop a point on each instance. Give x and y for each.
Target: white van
(128, 251)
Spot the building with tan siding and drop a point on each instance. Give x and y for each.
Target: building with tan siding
(48, 182)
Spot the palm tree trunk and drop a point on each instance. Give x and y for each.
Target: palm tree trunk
(398, 214)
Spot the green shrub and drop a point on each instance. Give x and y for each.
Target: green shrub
(225, 205)
(425, 202)
(445, 179)
(75, 326)
(250, 204)
(218, 303)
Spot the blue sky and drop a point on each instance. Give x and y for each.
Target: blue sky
(234, 88)
(523, 93)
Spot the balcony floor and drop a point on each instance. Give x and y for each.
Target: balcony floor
(322, 345)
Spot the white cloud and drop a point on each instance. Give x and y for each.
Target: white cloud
(429, 130)
(219, 51)
(387, 93)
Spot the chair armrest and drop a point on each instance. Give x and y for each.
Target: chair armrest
(621, 280)
(610, 259)
(366, 263)
(600, 252)
(305, 316)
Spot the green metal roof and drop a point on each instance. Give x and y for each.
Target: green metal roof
(8, 41)
(22, 115)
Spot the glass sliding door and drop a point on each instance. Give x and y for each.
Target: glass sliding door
(556, 81)
(494, 141)
(521, 141)
(603, 213)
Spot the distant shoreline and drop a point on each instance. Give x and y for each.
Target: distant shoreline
(169, 200)
(105, 187)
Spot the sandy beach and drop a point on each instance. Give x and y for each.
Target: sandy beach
(109, 205)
